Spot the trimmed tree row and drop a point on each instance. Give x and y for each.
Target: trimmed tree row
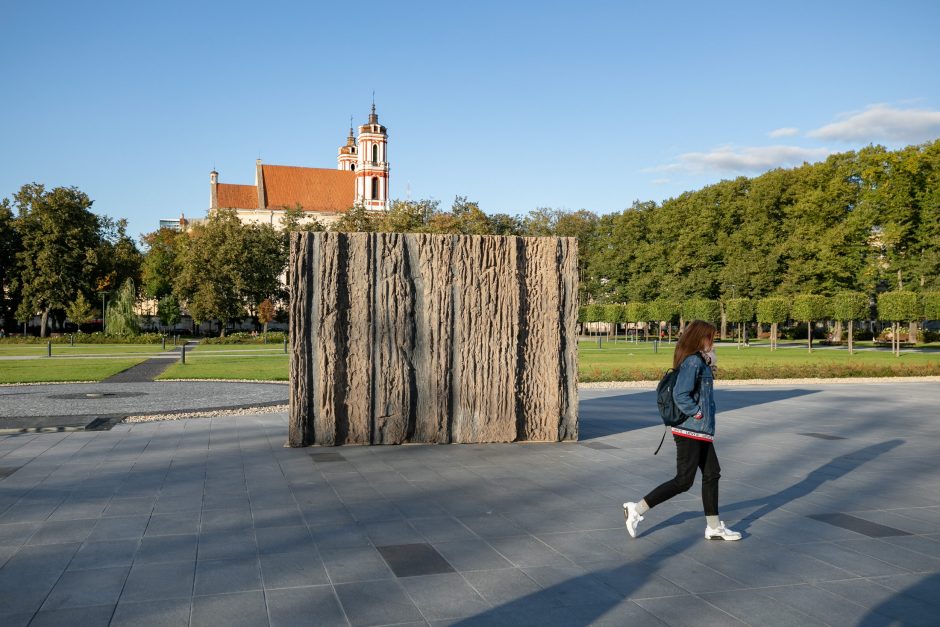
(895, 307)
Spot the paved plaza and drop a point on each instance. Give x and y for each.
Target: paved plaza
(213, 522)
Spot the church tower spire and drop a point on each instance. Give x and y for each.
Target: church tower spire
(347, 154)
(372, 166)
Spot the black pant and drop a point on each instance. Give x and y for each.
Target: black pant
(691, 454)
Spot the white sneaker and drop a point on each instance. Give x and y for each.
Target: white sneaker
(721, 533)
(631, 517)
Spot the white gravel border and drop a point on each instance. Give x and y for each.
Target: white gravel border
(219, 413)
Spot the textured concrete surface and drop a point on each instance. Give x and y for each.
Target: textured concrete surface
(215, 522)
(432, 338)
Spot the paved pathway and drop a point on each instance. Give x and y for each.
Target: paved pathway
(150, 369)
(214, 522)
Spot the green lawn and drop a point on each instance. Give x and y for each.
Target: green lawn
(616, 361)
(259, 367)
(79, 350)
(627, 361)
(53, 370)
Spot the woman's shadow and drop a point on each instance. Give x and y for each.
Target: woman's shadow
(541, 606)
(830, 471)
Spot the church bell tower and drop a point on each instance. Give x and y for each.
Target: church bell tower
(372, 164)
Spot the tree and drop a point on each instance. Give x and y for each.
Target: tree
(407, 216)
(80, 311)
(118, 258)
(168, 310)
(296, 218)
(356, 220)
(9, 247)
(664, 310)
(895, 307)
(850, 306)
(59, 253)
(930, 305)
(740, 311)
(773, 310)
(158, 269)
(265, 314)
(226, 267)
(613, 315)
(637, 313)
(594, 312)
(701, 309)
(810, 308)
(122, 320)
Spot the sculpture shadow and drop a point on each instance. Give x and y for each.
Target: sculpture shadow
(915, 605)
(609, 415)
(543, 604)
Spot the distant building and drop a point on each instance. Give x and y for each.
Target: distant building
(177, 224)
(361, 177)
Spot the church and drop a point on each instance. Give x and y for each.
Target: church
(360, 178)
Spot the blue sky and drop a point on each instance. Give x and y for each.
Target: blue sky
(516, 105)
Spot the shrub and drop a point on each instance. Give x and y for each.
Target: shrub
(243, 337)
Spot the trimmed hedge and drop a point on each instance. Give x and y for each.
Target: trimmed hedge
(88, 338)
(243, 337)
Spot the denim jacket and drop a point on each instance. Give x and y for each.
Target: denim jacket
(694, 394)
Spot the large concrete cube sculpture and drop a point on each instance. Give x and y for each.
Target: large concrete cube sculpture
(401, 338)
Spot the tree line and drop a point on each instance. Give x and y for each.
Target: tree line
(862, 222)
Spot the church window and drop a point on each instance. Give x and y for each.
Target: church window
(375, 187)
(352, 166)
(375, 153)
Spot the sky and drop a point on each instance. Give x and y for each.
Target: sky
(515, 105)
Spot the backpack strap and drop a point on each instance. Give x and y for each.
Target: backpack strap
(665, 428)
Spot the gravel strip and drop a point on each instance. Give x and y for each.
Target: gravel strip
(246, 411)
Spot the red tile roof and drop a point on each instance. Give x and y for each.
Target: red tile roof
(238, 196)
(315, 189)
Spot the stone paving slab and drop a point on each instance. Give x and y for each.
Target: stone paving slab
(213, 521)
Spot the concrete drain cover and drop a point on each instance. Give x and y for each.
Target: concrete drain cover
(88, 396)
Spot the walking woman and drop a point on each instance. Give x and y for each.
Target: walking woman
(694, 358)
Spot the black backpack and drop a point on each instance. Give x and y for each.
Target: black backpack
(670, 414)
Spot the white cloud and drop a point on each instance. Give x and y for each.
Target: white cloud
(752, 159)
(787, 131)
(660, 181)
(882, 122)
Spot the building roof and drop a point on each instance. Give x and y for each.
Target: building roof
(238, 196)
(315, 189)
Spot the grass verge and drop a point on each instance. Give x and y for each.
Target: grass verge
(247, 367)
(62, 370)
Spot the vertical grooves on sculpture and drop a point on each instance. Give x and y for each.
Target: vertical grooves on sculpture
(342, 340)
(567, 277)
(540, 385)
(358, 391)
(429, 261)
(327, 343)
(456, 273)
(521, 392)
(394, 342)
(301, 370)
(488, 321)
